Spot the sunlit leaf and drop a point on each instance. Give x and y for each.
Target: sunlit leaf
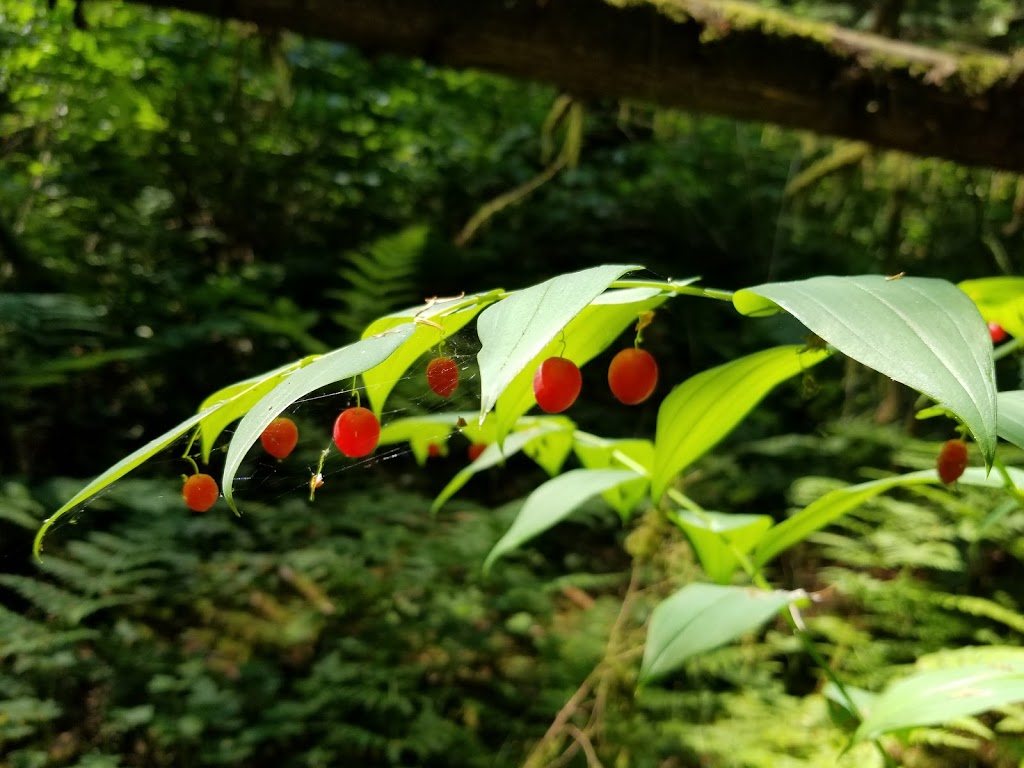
(119, 470)
(1011, 416)
(497, 453)
(438, 320)
(586, 336)
(554, 501)
(923, 332)
(706, 407)
(339, 365)
(600, 453)
(235, 400)
(516, 329)
(835, 504)
(700, 617)
(939, 696)
(717, 538)
(1000, 300)
(420, 432)
(549, 451)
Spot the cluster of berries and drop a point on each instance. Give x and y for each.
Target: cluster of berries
(632, 377)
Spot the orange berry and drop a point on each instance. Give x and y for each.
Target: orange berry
(356, 432)
(997, 332)
(633, 375)
(280, 437)
(474, 450)
(556, 384)
(952, 460)
(200, 492)
(443, 376)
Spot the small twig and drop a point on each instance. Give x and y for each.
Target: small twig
(588, 749)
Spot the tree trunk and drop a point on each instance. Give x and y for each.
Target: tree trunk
(727, 58)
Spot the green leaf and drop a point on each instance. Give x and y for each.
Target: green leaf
(716, 537)
(450, 314)
(837, 503)
(1000, 300)
(923, 332)
(343, 363)
(496, 453)
(700, 617)
(550, 450)
(554, 501)
(516, 329)
(119, 470)
(706, 407)
(1011, 416)
(586, 336)
(235, 399)
(939, 696)
(599, 453)
(420, 432)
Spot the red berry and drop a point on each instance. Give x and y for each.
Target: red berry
(280, 437)
(433, 450)
(356, 432)
(952, 460)
(200, 492)
(556, 384)
(443, 376)
(474, 450)
(633, 375)
(997, 332)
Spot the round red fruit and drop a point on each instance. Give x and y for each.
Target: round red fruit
(952, 460)
(200, 492)
(280, 437)
(474, 450)
(997, 332)
(433, 450)
(633, 375)
(443, 376)
(556, 384)
(356, 432)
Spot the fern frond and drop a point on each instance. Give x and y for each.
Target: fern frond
(380, 279)
(67, 606)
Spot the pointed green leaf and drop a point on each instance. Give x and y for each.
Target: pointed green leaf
(554, 501)
(717, 537)
(1011, 416)
(497, 453)
(923, 332)
(420, 433)
(450, 314)
(599, 453)
(235, 400)
(939, 696)
(550, 450)
(1000, 300)
(586, 336)
(700, 617)
(341, 364)
(516, 329)
(119, 470)
(706, 407)
(835, 504)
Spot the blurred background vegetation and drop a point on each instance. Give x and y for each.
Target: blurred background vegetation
(185, 203)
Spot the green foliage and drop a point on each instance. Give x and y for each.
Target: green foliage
(158, 241)
(284, 639)
(934, 337)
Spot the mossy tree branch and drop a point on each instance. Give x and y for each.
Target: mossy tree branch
(727, 58)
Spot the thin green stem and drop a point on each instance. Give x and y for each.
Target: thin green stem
(680, 288)
(1008, 348)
